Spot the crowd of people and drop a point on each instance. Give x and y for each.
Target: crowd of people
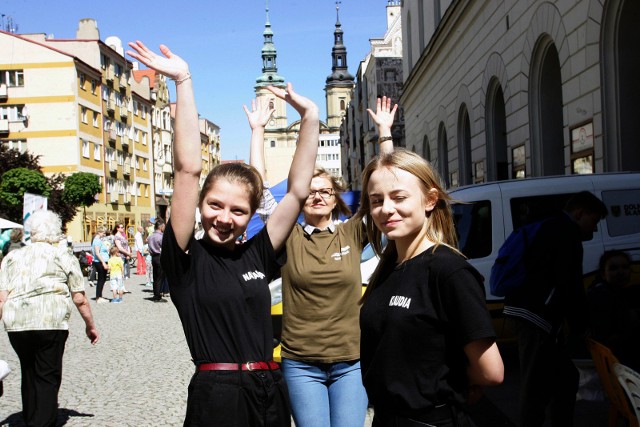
(418, 345)
(107, 245)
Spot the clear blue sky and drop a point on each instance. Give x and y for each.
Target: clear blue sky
(222, 41)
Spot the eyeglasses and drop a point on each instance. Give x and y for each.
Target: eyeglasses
(325, 193)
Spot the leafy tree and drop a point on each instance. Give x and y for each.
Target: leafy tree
(15, 183)
(56, 203)
(81, 188)
(10, 158)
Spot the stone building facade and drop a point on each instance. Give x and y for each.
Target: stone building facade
(509, 89)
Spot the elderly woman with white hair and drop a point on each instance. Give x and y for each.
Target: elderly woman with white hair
(37, 284)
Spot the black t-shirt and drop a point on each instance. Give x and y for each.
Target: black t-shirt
(414, 325)
(223, 297)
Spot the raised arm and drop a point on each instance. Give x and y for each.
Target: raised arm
(186, 146)
(259, 115)
(301, 172)
(261, 111)
(383, 118)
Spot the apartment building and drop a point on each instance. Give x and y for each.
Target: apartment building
(210, 146)
(379, 74)
(71, 102)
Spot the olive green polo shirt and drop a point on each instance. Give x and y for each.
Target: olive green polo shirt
(321, 287)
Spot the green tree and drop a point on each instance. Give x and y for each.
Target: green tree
(15, 183)
(10, 158)
(80, 189)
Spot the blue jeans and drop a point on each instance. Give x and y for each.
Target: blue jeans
(325, 394)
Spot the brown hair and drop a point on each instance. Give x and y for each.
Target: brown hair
(440, 229)
(237, 173)
(338, 187)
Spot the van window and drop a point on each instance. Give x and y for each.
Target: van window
(525, 210)
(624, 211)
(473, 226)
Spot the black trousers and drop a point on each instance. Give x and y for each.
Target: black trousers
(102, 278)
(40, 354)
(238, 399)
(157, 276)
(548, 377)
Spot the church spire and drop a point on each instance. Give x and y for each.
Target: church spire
(340, 74)
(269, 74)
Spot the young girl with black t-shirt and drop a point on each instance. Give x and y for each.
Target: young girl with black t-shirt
(219, 287)
(427, 342)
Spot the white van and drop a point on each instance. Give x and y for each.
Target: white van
(490, 212)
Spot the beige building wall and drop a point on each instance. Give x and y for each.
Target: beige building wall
(458, 57)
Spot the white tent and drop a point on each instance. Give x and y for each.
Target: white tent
(5, 223)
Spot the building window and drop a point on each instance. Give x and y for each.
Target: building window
(13, 113)
(136, 134)
(16, 144)
(85, 148)
(144, 138)
(12, 77)
(144, 164)
(144, 111)
(136, 108)
(82, 81)
(96, 151)
(84, 114)
(518, 162)
(94, 86)
(96, 115)
(137, 163)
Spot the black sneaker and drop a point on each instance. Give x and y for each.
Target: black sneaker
(158, 299)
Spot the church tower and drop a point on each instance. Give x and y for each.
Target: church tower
(340, 83)
(279, 142)
(269, 77)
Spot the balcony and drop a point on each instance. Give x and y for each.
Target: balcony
(113, 167)
(108, 73)
(126, 169)
(4, 93)
(111, 105)
(125, 141)
(123, 81)
(112, 135)
(127, 198)
(113, 198)
(124, 113)
(4, 126)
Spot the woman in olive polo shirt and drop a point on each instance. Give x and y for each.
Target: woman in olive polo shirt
(321, 287)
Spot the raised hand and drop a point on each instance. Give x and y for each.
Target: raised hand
(384, 114)
(170, 65)
(301, 104)
(261, 111)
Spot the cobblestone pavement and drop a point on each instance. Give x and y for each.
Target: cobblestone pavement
(137, 375)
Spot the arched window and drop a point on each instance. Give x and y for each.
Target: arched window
(496, 133)
(443, 153)
(464, 146)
